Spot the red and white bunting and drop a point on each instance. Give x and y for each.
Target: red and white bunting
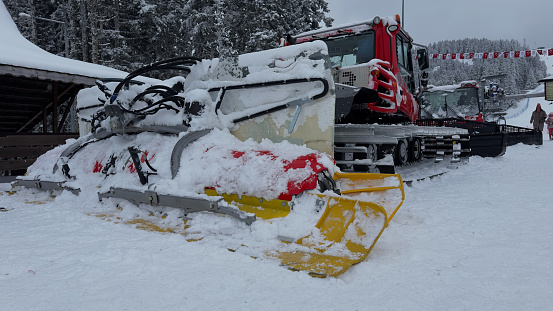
(491, 55)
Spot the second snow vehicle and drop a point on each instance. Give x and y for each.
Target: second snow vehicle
(250, 137)
(463, 105)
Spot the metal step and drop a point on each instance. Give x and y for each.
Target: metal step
(353, 149)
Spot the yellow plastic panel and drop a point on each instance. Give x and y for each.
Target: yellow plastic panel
(264, 209)
(383, 189)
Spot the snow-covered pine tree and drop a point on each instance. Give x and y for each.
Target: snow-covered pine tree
(127, 34)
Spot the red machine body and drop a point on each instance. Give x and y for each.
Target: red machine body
(381, 61)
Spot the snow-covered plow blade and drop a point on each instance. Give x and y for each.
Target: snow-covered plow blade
(250, 137)
(350, 225)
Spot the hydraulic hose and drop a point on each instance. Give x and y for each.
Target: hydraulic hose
(177, 63)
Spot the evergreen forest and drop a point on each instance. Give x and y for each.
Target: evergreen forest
(128, 34)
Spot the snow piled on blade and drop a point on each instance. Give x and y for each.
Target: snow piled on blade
(229, 165)
(211, 161)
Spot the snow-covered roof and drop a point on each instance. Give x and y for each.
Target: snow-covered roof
(353, 27)
(20, 57)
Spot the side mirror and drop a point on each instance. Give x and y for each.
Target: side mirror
(422, 58)
(424, 79)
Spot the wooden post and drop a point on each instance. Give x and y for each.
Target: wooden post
(55, 110)
(68, 109)
(44, 120)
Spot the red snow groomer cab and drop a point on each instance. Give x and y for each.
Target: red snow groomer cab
(373, 70)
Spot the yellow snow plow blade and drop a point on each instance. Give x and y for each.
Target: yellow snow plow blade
(345, 233)
(351, 224)
(348, 228)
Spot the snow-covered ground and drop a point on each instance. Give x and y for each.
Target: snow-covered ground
(478, 237)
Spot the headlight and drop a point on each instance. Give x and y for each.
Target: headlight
(376, 20)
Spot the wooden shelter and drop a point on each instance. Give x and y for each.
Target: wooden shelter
(35, 113)
(37, 94)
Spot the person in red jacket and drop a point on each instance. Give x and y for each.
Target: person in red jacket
(538, 118)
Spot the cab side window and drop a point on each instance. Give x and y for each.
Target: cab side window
(405, 62)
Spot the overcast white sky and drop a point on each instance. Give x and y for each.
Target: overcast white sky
(429, 21)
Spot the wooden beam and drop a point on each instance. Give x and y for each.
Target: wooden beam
(19, 106)
(68, 109)
(45, 107)
(10, 124)
(55, 112)
(23, 152)
(17, 152)
(29, 98)
(14, 90)
(35, 140)
(44, 119)
(12, 165)
(17, 119)
(18, 71)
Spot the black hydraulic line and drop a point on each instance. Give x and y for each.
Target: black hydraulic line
(272, 83)
(259, 114)
(158, 87)
(106, 80)
(284, 106)
(177, 63)
(134, 156)
(178, 100)
(102, 87)
(148, 164)
(155, 89)
(91, 106)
